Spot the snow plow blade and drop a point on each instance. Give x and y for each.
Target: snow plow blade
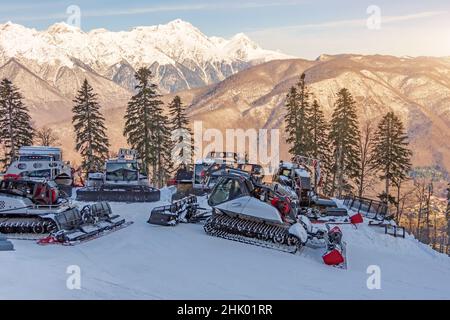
(122, 194)
(336, 251)
(184, 210)
(80, 225)
(357, 218)
(333, 258)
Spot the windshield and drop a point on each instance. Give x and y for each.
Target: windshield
(225, 190)
(125, 171)
(114, 166)
(37, 174)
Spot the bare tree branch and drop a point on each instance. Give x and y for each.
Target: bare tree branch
(45, 136)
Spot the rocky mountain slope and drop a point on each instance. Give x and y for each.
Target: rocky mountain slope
(417, 89)
(180, 55)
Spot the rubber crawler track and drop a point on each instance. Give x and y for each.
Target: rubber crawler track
(28, 225)
(252, 232)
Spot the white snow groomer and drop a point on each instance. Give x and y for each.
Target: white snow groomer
(34, 211)
(42, 163)
(295, 177)
(256, 214)
(216, 171)
(187, 209)
(201, 167)
(198, 184)
(122, 181)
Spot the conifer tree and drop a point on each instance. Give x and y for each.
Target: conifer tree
(320, 147)
(297, 119)
(344, 137)
(163, 149)
(16, 129)
(90, 131)
(181, 134)
(391, 156)
(291, 118)
(146, 127)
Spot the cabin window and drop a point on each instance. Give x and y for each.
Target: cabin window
(225, 190)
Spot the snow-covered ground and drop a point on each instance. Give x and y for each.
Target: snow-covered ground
(144, 261)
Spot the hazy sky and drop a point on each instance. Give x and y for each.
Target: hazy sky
(304, 28)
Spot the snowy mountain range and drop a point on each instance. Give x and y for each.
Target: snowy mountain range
(180, 55)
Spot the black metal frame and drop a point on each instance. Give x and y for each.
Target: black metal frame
(376, 210)
(168, 215)
(373, 209)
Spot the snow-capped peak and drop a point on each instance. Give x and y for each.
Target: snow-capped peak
(62, 27)
(173, 44)
(241, 43)
(241, 37)
(6, 25)
(13, 27)
(178, 23)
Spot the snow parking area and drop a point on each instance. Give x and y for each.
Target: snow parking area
(144, 261)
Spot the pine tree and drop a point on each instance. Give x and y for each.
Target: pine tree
(391, 156)
(163, 149)
(90, 131)
(297, 119)
(344, 136)
(320, 148)
(181, 134)
(16, 129)
(146, 127)
(291, 118)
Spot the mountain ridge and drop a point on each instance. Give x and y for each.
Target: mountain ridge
(179, 54)
(418, 90)
(254, 98)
